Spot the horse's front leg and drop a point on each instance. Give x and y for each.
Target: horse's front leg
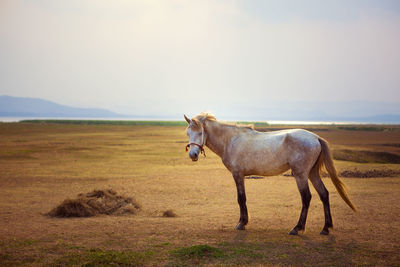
(241, 197)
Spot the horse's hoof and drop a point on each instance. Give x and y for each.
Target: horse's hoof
(240, 227)
(293, 232)
(324, 232)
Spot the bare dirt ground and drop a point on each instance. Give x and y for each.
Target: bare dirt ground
(41, 165)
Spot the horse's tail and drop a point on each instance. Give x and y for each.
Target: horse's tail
(326, 159)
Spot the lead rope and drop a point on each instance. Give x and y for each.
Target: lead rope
(203, 142)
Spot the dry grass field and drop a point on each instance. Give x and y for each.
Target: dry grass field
(41, 165)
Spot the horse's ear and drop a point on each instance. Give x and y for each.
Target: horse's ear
(186, 118)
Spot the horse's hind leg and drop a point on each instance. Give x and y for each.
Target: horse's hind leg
(324, 196)
(302, 184)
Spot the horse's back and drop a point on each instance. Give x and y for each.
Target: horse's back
(303, 138)
(270, 153)
(304, 148)
(284, 139)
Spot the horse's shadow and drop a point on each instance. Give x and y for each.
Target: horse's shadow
(303, 249)
(240, 237)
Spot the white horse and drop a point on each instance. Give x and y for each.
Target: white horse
(245, 151)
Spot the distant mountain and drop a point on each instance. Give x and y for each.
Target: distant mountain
(36, 107)
(364, 112)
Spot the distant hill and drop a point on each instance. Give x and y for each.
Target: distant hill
(364, 112)
(36, 107)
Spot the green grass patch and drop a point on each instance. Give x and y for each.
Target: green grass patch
(245, 252)
(14, 244)
(98, 257)
(197, 252)
(225, 254)
(367, 128)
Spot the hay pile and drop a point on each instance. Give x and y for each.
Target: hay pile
(94, 203)
(169, 213)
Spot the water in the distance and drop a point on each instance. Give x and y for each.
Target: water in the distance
(272, 122)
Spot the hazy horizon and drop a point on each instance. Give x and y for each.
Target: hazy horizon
(237, 59)
(17, 108)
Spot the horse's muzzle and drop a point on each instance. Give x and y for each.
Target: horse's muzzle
(194, 155)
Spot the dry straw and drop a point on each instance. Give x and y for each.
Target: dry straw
(96, 202)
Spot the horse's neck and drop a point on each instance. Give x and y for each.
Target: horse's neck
(218, 136)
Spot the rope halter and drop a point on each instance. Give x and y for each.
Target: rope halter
(201, 147)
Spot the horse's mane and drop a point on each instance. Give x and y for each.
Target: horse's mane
(205, 116)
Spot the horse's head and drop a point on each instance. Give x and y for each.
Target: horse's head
(197, 138)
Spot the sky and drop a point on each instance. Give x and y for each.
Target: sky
(238, 59)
